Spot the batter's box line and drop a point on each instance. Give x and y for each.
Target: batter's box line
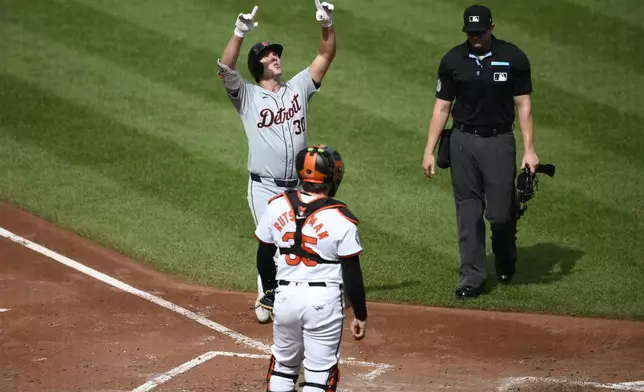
(379, 368)
(512, 382)
(165, 377)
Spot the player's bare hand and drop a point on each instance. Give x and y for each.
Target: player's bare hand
(531, 160)
(358, 329)
(245, 23)
(324, 13)
(429, 165)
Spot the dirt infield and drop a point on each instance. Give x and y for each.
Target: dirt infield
(66, 329)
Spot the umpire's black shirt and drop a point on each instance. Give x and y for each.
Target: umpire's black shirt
(484, 89)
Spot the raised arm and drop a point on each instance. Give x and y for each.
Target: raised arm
(231, 52)
(228, 73)
(326, 52)
(244, 24)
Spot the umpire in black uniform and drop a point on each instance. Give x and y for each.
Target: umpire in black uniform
(486, 79)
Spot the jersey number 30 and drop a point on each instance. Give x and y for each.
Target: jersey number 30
(300, 126)
(293, 260)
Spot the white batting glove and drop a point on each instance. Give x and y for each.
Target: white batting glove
(324, 14)
(245, 23)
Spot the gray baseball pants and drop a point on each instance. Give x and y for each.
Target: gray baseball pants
(260, 191)
(483, 171)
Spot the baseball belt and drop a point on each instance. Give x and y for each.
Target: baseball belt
(483, 131)
(278, 182)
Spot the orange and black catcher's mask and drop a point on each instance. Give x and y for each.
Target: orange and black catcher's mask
(320, 164)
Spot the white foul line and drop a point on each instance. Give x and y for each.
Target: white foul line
(510, 382)
(167, 376)
(380, 368)
(239, 338)
(4, 310)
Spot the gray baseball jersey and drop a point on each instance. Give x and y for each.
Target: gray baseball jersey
(275, 123)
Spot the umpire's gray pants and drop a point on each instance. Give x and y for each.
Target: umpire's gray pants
(483, 170)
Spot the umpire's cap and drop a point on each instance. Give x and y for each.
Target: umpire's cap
(255, 54)
(477, 19)
(320, 164)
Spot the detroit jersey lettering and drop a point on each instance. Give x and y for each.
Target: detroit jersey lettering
(327, 233)
(275, 124)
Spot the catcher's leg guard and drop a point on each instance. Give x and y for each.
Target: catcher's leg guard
(281, 378)
(326, 380)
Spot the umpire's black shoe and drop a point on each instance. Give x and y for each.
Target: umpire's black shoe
(505, 276)
(505, 271)
(467, 291)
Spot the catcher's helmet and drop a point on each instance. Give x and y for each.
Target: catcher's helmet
(255, 67)
(320, 164)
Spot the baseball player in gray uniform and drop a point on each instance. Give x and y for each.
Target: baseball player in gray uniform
(273, 113)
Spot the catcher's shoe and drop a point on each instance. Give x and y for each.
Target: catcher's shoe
(263, 315)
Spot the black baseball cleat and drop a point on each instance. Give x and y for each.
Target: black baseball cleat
(468, 291)
(504, 277)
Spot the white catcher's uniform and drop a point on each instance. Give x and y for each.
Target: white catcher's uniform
(309, 301)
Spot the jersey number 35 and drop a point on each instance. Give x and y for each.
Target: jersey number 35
(294, 260)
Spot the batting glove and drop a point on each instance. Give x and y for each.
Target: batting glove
(245, 23)
(324, 14)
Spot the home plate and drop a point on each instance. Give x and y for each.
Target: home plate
(4, 310)
(513, 382)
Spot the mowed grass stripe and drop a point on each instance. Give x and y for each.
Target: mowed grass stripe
(333, 89)
(197, 24)
(164, 183)
(624, 141)
(149, 164)
(158, 57)
(390, 262)
(403, 70)
(122, 155)
(629, 11)
(568, 24)
(121, 93)
(410, 284)
(202, 127)
(400, 215)
(554, 64)
(88, 202)
(352, 79)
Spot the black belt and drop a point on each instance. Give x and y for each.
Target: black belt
(314, 284)
(483, 131)
(280, 183)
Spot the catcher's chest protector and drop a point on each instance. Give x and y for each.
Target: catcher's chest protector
(302, 212)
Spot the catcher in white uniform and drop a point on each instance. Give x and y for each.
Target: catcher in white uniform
(319, 248)
(274, 114)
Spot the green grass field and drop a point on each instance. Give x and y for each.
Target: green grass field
(114, 124)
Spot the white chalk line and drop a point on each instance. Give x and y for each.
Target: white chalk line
(379, 368)
(239, 338)
(167, 376)
(4, 310)
(511, 382)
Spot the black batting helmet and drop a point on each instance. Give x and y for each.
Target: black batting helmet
(255, 54)
(320, 164)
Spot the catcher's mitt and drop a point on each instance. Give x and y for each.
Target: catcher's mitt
(527, 185)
